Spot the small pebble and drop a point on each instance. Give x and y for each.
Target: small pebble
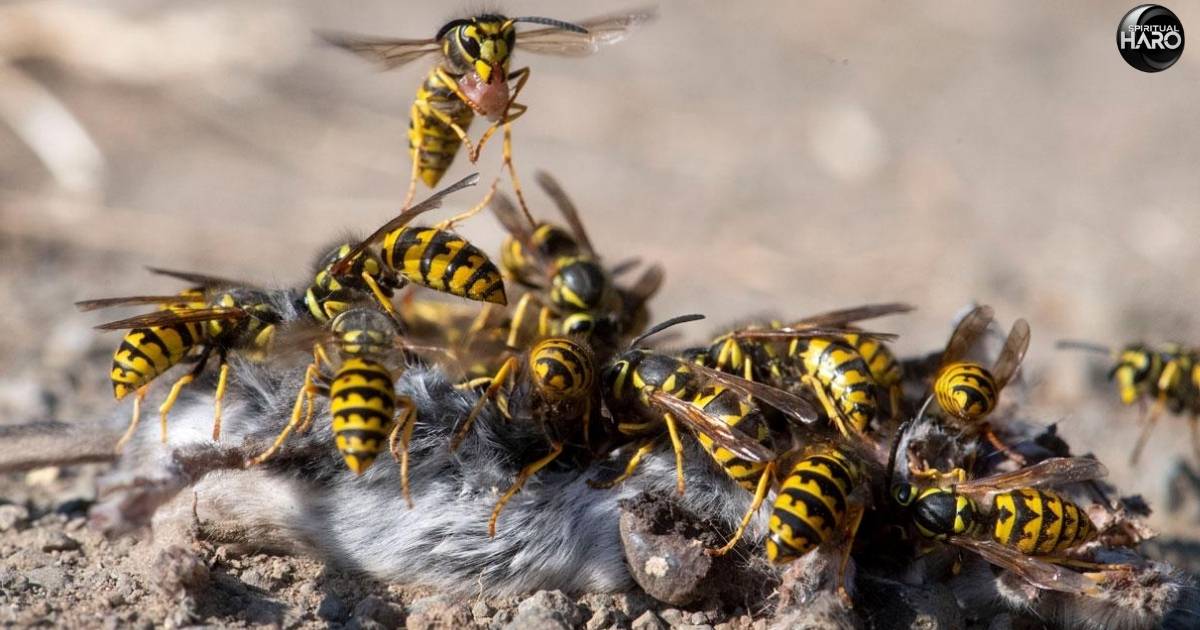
(58, 541)
(649, 621)
(12, 516)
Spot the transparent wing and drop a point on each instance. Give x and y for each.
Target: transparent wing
(1038, 572)
(646, 286)
(787, 334)
(624, 266)
(404, 218)
(968, 330)
(1012, 354)
(1049, 472)
(786, 402)
(200, 279)
(177, 316)
(91, 305)
(846, 316)
(601, 31)
(722, 434)
(567, 208)
(390, 53)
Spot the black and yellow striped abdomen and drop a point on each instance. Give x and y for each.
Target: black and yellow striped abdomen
(438, 144)
(884, 366)
(1038, 522)
(562, 368)
(738, 411)
(810, 505)
(939, 513)
(965, 390)
(839, 368)
(443, 261)
(145, 353)
(362, 401)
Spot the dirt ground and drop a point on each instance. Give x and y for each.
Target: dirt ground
(776, 160)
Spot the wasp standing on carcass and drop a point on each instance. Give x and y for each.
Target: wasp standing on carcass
(648, 391)
(204, 318)
(821, 357)
(551, 385)
(472, 78)
(432, 257)
(966, 390)
(1167, 373)
(361, 390)
(564, 274)
(1008, 518)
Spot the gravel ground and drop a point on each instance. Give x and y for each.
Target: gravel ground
(774, 160)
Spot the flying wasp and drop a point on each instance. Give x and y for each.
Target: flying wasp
(1168, 373)
(204, 319)
(829, 366)
(576, 292)
(432, 257)
(1008, 518)
(648, 391)
(472, 77)
(360, 386)
(553, 386)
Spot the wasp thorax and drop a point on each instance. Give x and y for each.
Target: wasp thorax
(364, 331)
(579, 284)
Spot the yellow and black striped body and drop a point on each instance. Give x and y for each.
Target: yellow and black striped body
(844, 375)
(145, 353)
(443, 261)
(1038, 522)
(736, 410)
(966, 390)
(438, 144)
(884, 366)
(329, 295)
(362, 401)
(939, 513)
(253, 334)
(811, 504)
(633, 375)
(562, 368)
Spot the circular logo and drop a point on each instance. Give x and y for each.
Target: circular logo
(1150, 38)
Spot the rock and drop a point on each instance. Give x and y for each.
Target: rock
(673, 616)
(332, 608)
(607, 617)
(649, 621)
(437, 611)
(554, 604)
(58, 541)
(663, 549)
(12, 516)
(254, 578)
(376, 610)
(482, 612)
(176, 570)
(53, 579)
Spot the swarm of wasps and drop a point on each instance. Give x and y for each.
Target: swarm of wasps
(812, 411)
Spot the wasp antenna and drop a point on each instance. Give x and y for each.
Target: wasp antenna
(682, 319)
(566, 26)
(1075, 344)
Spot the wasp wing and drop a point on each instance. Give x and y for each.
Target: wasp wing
(845, 316)
(721, 434)
(91, 305)
(202, 280)
(1012, 354)
(968, 330)
(786, 334)
(601, 31)
(389, 53)
(786, 402)
(176, 316)
(1040, 573)
(404, 218)
(1049, 472)
(646, 286)
(567, 208)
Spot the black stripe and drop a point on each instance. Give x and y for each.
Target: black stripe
(1024, 515)
(367, 414)
(363, 434)
(438, 246)
(485, 270)
(367, 393)
(836, 469)
(407, 240)
(800, 529)
(813, 503)
(462, 259)
(367, 373)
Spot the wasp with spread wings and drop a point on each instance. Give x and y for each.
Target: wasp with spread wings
(472, 77)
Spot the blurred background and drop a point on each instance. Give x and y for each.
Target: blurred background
(776, 159)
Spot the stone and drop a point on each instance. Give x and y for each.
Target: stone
(332, 608)
(649, 621)
(12, 516)
(58, 541)
(53, 579)
(375, 609)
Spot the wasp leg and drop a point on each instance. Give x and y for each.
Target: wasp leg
(641, 452)
(312, 387)
(518, 319)
(999, 444)
(764, 484)
(382, 298)
(310, 374)
(417, 141)
(449, 224)
(178, 386)
(544, 326)
(853, 518)
(137, 417)
(521, 76)
(831, 410)
(218, 397)
(555, 449)
(403, 430)
(1149, 421)
(896, 399)
(490, 393)
(678, 447)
